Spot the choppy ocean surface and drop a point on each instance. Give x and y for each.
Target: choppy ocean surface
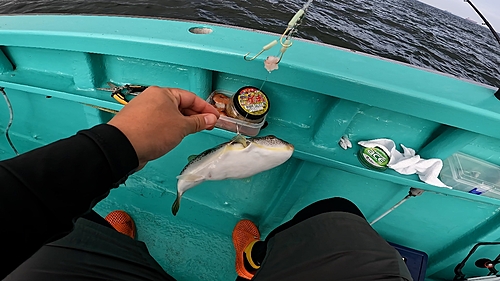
(404, 30)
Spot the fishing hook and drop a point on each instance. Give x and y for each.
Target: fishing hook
(285, 38)
(265, 48)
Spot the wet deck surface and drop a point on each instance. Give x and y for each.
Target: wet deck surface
(185, 250)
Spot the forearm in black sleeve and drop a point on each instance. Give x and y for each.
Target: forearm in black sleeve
(43, 191)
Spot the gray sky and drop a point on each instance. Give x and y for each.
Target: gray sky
(489, 8)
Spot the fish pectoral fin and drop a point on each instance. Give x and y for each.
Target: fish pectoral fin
(190, 177)
(191, 157)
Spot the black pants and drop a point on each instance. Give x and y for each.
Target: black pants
(95, 251)
(328, 240)
(335, 204)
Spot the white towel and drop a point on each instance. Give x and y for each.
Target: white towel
(408, 163)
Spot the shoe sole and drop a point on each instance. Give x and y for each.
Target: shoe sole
(244, 233)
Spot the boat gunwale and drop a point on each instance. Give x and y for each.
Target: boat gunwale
(262, 32)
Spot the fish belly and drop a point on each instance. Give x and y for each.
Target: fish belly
(238, 164)
(233, 164)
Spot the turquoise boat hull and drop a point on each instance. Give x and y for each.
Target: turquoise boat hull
(51, 66)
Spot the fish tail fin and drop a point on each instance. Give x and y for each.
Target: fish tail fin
(177, 204)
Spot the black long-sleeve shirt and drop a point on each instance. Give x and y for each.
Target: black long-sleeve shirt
(42, 192)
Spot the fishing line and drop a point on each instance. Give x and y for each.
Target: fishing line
(267, 78)
(11, 112)
(237, 129)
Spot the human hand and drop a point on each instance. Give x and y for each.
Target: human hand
(158, 119)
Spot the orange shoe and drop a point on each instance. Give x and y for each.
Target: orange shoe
(244, 233)
(122, 222)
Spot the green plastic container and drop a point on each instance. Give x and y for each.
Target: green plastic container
(373, 158)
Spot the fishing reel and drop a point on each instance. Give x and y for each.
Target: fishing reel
(489, 264)
(481, 263)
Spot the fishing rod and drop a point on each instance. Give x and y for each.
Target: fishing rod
(497, 94)
(485, 21)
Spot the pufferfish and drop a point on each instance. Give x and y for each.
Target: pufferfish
(237, 159)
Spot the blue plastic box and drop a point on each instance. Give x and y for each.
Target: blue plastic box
(416, 261)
